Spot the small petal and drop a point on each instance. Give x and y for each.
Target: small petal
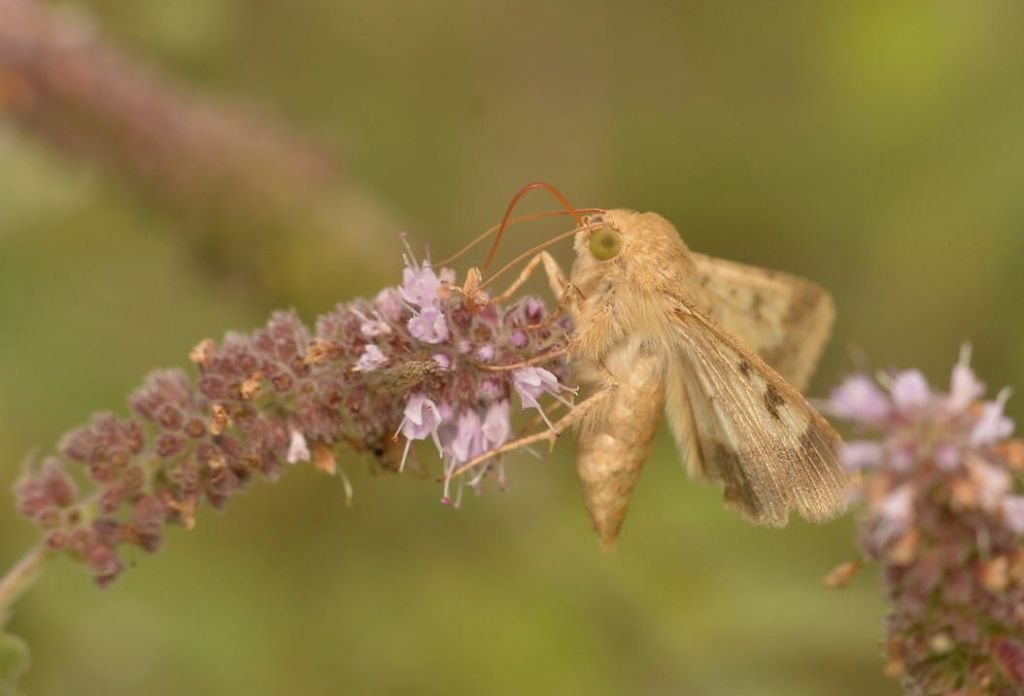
(859, 399)
(497, 424)
(468, 441)
(895, 512)
(419, 286)
(991, 483)
(429, 326)
(947, 456)
(534, 310)
(373, 327)
(861, 455)
(389, 303)
(421, 417)
(492, 389)
(371, 359)
(298, 449)
(445, 409)
(1013, 512)
(910, 392)
(532, 382)
(442, 360)
(992, 426)
(964, 388)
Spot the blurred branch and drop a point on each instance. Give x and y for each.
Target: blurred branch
(258, 199)
(19, 578)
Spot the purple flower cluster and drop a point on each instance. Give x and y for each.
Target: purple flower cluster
(943, 513)
(417, 362)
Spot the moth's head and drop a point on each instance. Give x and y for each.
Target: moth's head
(613, 238)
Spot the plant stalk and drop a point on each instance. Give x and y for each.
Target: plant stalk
(21, 577)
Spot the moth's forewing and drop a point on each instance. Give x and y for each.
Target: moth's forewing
(786, 320)
(754, 431)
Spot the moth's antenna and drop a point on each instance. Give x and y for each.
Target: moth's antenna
(515, 201)
(522, 218)
(530, 252)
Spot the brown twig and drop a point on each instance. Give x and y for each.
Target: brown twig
(263, 201)
(20, 577)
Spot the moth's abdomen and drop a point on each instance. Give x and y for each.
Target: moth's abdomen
(615, 439)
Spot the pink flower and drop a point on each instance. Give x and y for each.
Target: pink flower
(947, 456)
(991, 482)
(861, 454)
(945, 518)
(895, 512)
(465, 442)
(429, 326)
(389, 303)
(533, 382)
(422, 418)
(419, 286)
(372, 326)
(371, 359)
(859, 399)
(298, 449)
(1013, 512)
(965, 388)
(469, 438)
(910, 392)
(497, 424)
(992, 426)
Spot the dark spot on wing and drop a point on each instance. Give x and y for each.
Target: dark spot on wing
(740, 491)
(805, 300)
(772, 400)
(756, 303)
(763, 487)
(744, 368)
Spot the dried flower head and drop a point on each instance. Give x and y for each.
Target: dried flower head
(944, 515)
(416, 362)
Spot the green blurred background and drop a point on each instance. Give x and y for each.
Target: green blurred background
(876, 147)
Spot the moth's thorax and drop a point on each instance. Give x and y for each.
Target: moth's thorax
(628, 296)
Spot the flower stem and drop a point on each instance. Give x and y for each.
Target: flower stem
(20, 577)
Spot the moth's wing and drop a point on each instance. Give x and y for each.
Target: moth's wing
(742, 424)
(784, 319)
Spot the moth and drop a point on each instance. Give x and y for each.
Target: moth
(720, 348)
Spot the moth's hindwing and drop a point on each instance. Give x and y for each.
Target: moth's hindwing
(784, 319)
(753, 431)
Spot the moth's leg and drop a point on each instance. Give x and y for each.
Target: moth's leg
(600, 329)
(577, 413)
(568, 298)
(550, 267)
(556, 277)
(596, 332)
(564, 350)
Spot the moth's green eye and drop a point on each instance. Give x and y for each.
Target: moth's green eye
(605, 243)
